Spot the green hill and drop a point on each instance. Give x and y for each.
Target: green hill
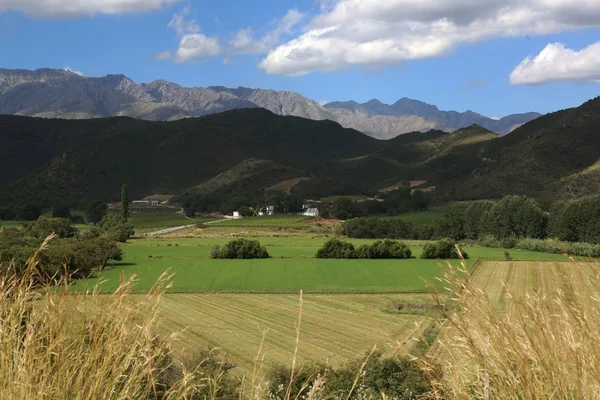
(53, 161)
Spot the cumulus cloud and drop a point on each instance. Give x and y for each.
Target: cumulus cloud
(389, 32)
(68, 69)
(192, 44)
(75, 8)
(244, 42)
(558, 63)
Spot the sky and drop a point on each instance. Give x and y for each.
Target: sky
(495, 57)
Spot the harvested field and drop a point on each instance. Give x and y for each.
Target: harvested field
(335, 328)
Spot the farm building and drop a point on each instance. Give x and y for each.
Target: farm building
(267, 210)
(146, 203)
(236, 214)
(311, 212)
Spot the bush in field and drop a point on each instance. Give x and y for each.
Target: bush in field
(44, 227)
(384, 249)
(444, 249)
(239, 249)
(489, 241)
(116, 227)
(335, 248)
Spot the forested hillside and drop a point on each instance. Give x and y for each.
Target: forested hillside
(73, 160)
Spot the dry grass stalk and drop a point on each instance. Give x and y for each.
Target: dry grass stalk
(546, 345)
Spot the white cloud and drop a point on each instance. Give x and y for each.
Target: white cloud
(558, 63)
(244, 42)
(389, 32)
(163, 55)
(197, 45)
(68, 69)
(495, 118)
(192, 43)
(75, 8)
(228, 61)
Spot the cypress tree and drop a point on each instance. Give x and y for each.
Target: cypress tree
(124, 202)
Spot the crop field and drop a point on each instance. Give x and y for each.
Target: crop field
(498, 279)
(291, 268)
(271, 221)
(148, 222)
(335, 328)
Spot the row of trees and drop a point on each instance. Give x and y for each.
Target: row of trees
(516, 217)
(396, 202)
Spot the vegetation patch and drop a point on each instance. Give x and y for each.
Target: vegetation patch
(444, 249)
(239, 249)
(381, 249)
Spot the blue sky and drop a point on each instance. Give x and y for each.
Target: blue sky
(490, 56)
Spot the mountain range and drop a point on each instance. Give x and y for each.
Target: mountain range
(250, 151)
(52, 93)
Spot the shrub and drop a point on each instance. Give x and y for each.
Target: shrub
(384, 249)
(489, 241)
(116, 227)
(335, 248)
(239, 249)
(44, 227)
(444, 249)
(558, 247)
(378, 377)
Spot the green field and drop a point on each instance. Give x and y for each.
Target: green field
(291, 268)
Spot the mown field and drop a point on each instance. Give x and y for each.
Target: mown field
(335, 328)
(499, 279)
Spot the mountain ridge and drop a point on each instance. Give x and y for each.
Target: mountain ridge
(57, 93)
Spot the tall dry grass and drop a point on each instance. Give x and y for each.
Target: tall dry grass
(542, 345)
(55, 344)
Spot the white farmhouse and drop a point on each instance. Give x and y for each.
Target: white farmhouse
(311, 212)
(268, 210)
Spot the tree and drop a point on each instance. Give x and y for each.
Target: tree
(124, 202)
(344, 208)
(29, 212)
(451, 224)
(474, 219)
(116, 227)
(61, 212)
(44, 227)
(518, 217)
(94, 253)
(292, 203)
(95, 211)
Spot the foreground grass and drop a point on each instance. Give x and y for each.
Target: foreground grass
(336, 328)
(522, 331)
